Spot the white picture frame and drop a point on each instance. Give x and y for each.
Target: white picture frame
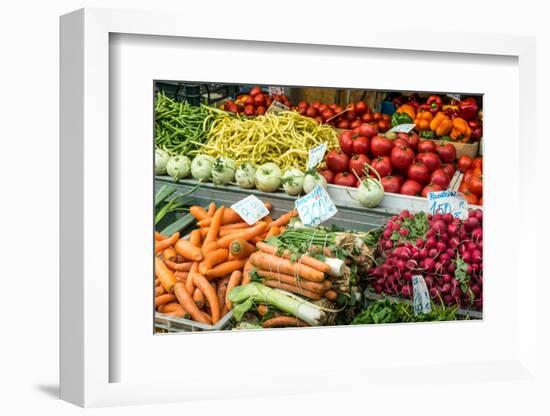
(87, 357)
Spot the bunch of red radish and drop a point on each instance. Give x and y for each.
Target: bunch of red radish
(255, 103)
(350, 117)
(407, 165)
(449, 257)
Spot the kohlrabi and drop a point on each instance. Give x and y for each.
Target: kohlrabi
(201, 167)
(293, 181)
(161, 159)
(268, 177)
(223, 171)
(312, 179)
(244, 176)
(178, 167)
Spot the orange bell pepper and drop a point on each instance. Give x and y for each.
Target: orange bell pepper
(441, 124)
(423, 120)
(409, 109)
(460, 130)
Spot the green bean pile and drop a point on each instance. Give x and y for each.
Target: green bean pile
(181, 128)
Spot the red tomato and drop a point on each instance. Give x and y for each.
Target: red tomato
(464, 163)
(259, 100)
(327, 174)
(327, 113)
(337, 161)
(322, 107)
(377, 116)
(303, 104)
(440, 177)
(480, 201)
(315, 104)
(419, 172)
(478, 163)
(391, 184)
(414, 141)
(360, 108)
(355, 123)
(386, 117)
(255, 91)
(410, 187)
(344, 179)
(367, 130)
(400, 142)
(343, 124)
(383, 125)
(380, 146)
(476, 184)
(431, 160)
(249, 110)
(361, 145)
(432, 187)
(446, 152)
(367, 118)
(382, 165)
(260, 110)
(463, 187)
(311, 112)
(449, 169)
(402, 157)
(357, 164)
(426, 146)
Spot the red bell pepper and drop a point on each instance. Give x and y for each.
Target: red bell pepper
(435, 102)
(423, 107)
(468, 108)
(413, 101)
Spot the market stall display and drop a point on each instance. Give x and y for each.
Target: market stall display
(218, 269)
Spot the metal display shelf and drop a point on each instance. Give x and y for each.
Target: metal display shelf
(350, 215)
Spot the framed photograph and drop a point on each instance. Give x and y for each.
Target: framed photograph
(337, 214)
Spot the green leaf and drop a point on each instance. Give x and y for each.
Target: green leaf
(461, 271)
(242, 308)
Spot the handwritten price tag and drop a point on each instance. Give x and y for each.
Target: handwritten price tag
(448, 201)
(454, 96)
(250, 209)
(316, 207)
(276, 90)
(277, 107)
(421, 296)
(316, 155)
(402, 128)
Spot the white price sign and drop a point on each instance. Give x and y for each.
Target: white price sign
(316, 207)
(448, 201)
(316, 155)
(276, 90)
(250, 209)
(421, 296)
(402, 128)
(454, 96)
(277, 107)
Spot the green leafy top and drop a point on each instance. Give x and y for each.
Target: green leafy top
(417, 226)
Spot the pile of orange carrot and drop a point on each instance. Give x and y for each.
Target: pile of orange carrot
(306, 276)
(193, 275)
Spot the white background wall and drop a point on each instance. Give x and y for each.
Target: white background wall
(29, 56)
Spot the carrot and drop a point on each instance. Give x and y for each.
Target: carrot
(179, 313)
(208, 247)
(230, 256)
(283, 229)
(169, 254)
(198, 212)
(305, 259)
(189, 282)
(244, 234)
(209, 293)
(292, 288)
(221, 291)
(167, 242)
(188, 250)
(186, 301)
(268, 205)
(331, 294)
(234, 281)
(292, 280)
(241, 248)
(284, 219)
(214, 228)
(198, 298)
(212, 259)
(181, 276)
(195, 238)
(211, 210)
(225, 268)
(273, 231)
(179, 267)
(234, 226)
(267, 219)
(229, 217)
(203, 231)
(272, 262)
(157, 282)
(164, 274)
(159, 290)
(162, 299)
(226, 231)
(257, 239)
(169, 307)
(159, 236)
(246, 272)
(283, 321)
(262, 309)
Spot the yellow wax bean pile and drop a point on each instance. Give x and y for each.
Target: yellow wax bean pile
(283, 138)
